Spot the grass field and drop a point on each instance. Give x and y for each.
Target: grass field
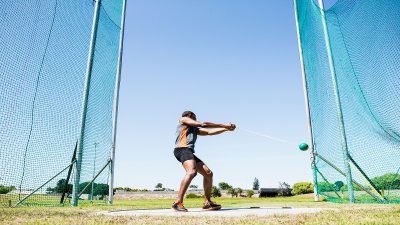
(86, 213)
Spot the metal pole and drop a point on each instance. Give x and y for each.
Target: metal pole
(94, 178)
(326, 180)
(89, 67)
(345, 149)
(367, 179)
(116, 98)
(94, 169)
(344, 174)
(69, 175)
(306, 99)
(33, 192)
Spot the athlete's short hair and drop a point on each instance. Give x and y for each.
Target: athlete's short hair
(187, 113)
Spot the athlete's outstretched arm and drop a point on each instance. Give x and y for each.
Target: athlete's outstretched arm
(191, 122)
(204, 132)
(229, 126)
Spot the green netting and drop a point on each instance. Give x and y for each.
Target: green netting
(44, 47)
(364, 38)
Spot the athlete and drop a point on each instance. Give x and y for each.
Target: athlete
(186, 136)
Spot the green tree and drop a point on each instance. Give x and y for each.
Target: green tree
(60, 187)
(338, 185)
(325, 187)
(239, 191)
(256, 185)
(355, 187)
(49, 190)
(193, 186)
(249, 193)
(98, 188)
(128, 189)
(101, 189)
(215, 192)
(302, 188)
(6, 189)
(233, 192)
(224, 186)
(388, 181)
(284, 189)
(159, 185)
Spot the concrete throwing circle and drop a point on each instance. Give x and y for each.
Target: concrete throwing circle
(260, 211)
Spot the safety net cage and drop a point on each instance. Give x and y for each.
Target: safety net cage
(351, 58)
(59, 69)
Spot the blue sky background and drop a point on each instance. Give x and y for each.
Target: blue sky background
(228, 61)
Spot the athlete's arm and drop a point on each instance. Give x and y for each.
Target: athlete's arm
(228, 126)
(205, 132)
(190, 122)
(194, 123)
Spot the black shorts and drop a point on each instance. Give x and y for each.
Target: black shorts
(183, 154)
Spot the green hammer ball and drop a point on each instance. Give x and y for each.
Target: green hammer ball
(303, 146)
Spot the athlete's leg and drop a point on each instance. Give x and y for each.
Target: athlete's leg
(207, 179)
(190, 167)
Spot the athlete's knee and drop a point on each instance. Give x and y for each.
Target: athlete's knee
(191, 173)
(209, 173)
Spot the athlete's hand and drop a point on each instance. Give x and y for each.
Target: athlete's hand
(232, 126)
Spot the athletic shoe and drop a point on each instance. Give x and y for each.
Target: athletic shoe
(179, 207)
(211, 206)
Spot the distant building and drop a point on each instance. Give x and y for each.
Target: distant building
(274, 192)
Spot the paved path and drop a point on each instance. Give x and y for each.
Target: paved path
(262, 211)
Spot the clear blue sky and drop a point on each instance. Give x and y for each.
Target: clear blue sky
(228, 61)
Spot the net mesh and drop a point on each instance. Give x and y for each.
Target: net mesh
(44, 49)
(364, 41)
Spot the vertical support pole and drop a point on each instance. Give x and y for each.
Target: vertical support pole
(69, 175)
(94, 169)
(338, 106)
(75, 190)
(115, 108)
(308, 113)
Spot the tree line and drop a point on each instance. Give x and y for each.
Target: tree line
(61, 186)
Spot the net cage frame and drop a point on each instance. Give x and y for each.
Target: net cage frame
(320, 164)
(114, 23)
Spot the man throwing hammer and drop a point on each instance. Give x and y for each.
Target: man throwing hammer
(186, 135)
